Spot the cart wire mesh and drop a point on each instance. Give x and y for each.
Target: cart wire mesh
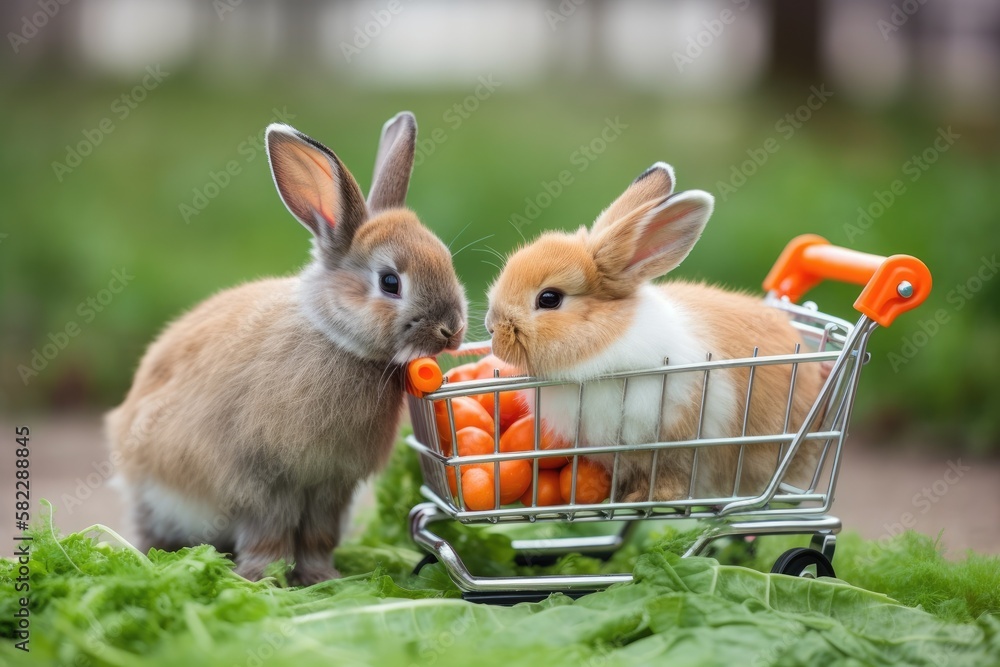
(827, 340)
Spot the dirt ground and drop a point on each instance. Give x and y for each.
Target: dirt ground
(879, 492)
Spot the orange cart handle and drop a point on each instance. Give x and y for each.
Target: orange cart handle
(892, 285)
(423, 376)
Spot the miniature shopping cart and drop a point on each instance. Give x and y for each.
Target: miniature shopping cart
(891, 286)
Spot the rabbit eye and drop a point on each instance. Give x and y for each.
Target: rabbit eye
(389, 283)
(549, 299)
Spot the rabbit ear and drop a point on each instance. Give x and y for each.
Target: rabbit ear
(653, 184)
(653, 240)
(393, 162)
(315, 185)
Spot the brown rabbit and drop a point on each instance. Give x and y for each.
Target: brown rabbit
(253, 418)
(576, 306)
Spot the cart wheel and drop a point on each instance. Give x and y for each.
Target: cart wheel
(803, 562)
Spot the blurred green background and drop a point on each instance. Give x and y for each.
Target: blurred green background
(556, 73)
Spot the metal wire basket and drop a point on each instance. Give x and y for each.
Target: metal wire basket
(782, 506)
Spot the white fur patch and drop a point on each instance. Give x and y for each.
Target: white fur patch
(315, 307)
(183, 519)
(662, 329)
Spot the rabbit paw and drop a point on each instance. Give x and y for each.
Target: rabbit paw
(636, 497)
(251, 569)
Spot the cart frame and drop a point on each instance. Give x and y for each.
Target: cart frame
(892, 285)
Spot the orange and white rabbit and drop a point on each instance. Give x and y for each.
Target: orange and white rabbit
(253, 417)
(575, 306)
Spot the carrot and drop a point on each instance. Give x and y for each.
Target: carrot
(461, 373)
(593, 485)
(513, 406)
(548, 490)
(477, 489)
(472, 441)
(423, 375)
(479, 483)
(520, 437)
(467, 411)
(484, 368)
(515, 477)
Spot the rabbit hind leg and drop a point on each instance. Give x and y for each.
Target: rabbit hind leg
(319, 532)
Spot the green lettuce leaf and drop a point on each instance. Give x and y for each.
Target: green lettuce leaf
(97, 601)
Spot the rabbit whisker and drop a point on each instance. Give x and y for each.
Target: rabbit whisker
(462, 231)
(518, 230)
(455, 254)
(380, 390)
(493, 251)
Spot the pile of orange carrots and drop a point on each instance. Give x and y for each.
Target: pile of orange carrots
(475, 430)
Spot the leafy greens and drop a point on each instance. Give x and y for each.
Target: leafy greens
(93, 603)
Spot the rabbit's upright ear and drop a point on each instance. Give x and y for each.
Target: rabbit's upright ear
(393, 162)
(654, 239)
(652, 185)
(315, 186)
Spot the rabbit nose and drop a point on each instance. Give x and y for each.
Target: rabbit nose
(453, 339)
(448, 332)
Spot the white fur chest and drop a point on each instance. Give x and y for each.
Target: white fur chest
(660, 330)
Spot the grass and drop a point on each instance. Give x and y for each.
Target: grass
(97, 601)
(909, 568)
